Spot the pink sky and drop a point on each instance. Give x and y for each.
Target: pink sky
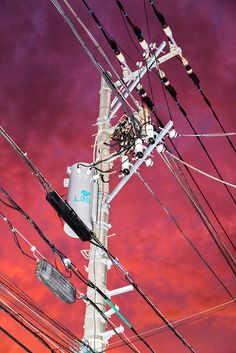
(49, 99)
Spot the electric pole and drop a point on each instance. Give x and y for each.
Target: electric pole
(94, 326)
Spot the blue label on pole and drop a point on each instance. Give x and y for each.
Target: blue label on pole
(84, 196)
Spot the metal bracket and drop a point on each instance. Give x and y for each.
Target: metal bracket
(158, 139)
(117, 291)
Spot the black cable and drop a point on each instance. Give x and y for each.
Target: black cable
(203, 212)
(35, 334)
(13, 231)
(114, 329)
(142, 294)
(15, 340)
(193, 179)
(25, 300)
(173, 94)
(203, 217)
(146, 16)
(137, 30)
(185, 236)
(163, 329)
(62, 256)
(192, 75)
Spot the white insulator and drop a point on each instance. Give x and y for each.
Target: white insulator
(161, 74)
(161, 148)
(172, 133)
(153, 46)
(121, 58)
(125, 165)
(144, 45)
(149, 162)
(184, 61)
(139, 148)
(168, 31)
(146, 55)
(190, 71)
(96, 177)
(150, 133)
(66, 182)
(139, 64)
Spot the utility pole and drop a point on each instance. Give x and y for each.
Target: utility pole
(94, 326)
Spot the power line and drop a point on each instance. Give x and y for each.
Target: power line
(184, 235)
(15, 340)
(200, 171)
(202, 215)
(208, 135)
(188, 68)
(79, 275)
(184, 321)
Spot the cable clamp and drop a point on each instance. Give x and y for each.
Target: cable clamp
(108, 334)
(102, 119)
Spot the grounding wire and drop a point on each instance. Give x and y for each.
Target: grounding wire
(97, 308)
(200, 212)
(15, 340)
(200, 171)
(137, 288)
(183, 321)
(183, 234)
(116, 262)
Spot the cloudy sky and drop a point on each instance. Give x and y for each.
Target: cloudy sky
(49, 101)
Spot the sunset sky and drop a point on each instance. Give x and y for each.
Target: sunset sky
(49, 101)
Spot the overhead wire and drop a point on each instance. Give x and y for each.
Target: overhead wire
(193, 179)
(200, 171)
(191, 243)
(180, 322)
(196, 205)
(100, 69)
(14, 231)
(208, 135)
(14, 339)
(128, 277)
(114, 47)
(77, 272)
(192, 75)
(170, 88)
(23, 322)
(137, 288)
(173, 94)
(175, 162)
(204, 198)
(188, 68)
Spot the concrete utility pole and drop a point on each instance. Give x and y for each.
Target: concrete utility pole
(94, 326)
